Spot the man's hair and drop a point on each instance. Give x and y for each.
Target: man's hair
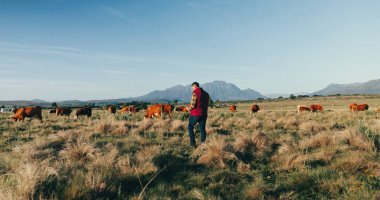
(195, 83)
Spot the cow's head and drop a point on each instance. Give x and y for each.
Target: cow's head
(15, 118)
(14, 110)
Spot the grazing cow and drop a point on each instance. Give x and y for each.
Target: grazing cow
(168, 109)
(181, 109)
(52, 111)
(124, 109)
(153, 111)
(86, 111)
(355, 107)
(112, 109)
(63, 111)
(255, 108)
(233, 108)
(302, 108)
(362, 107)
(129, 109)
(158, 109)
(14, 110)
(316, 108)
(378, 110)
(30, 112)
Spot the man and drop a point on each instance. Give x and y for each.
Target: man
(198, 112)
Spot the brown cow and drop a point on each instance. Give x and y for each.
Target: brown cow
(362, 107)
(233, 108)
(30, 112)
(14, 110)
(124, 109)
(86, 111)
(63, 111)
(111, 109)
(255, 108)
(158, 109)
(302, 108)
(168, 109)
(182, 109)
(355, 107)
(378, 110)
(129, 109)
(52, 111)
(153, 111)
(316, 108)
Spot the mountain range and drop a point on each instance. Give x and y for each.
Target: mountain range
(218, 90)
(370, 87)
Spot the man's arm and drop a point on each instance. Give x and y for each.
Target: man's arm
(193, 101)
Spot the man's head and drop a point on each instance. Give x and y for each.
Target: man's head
(194, 85)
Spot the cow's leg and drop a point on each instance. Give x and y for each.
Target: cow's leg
(40, 118)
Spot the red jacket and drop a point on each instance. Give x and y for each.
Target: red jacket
(201, 104)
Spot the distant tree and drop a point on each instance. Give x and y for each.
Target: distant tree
(175, 102)
(211, 103)
(54, 105)
(292, 96)
(260, 99)
(280, 97)
(2, 106)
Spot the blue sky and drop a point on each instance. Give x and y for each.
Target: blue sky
(89, 49)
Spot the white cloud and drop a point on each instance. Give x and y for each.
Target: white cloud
(115, 13)
(44, 49)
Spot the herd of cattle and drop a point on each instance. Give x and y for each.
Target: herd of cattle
(153, 111)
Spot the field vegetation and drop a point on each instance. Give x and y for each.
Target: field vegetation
(273, 154)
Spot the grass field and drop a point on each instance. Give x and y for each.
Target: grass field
(273, 154)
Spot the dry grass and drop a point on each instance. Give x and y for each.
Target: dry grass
(143, 126)
(215, 153)
(78, 153)
(178, 125)
(356, 140)
(254, 193)
(311, 127)
(274, 154)
(321, 140)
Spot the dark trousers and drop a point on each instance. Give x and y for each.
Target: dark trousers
(193, 120)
